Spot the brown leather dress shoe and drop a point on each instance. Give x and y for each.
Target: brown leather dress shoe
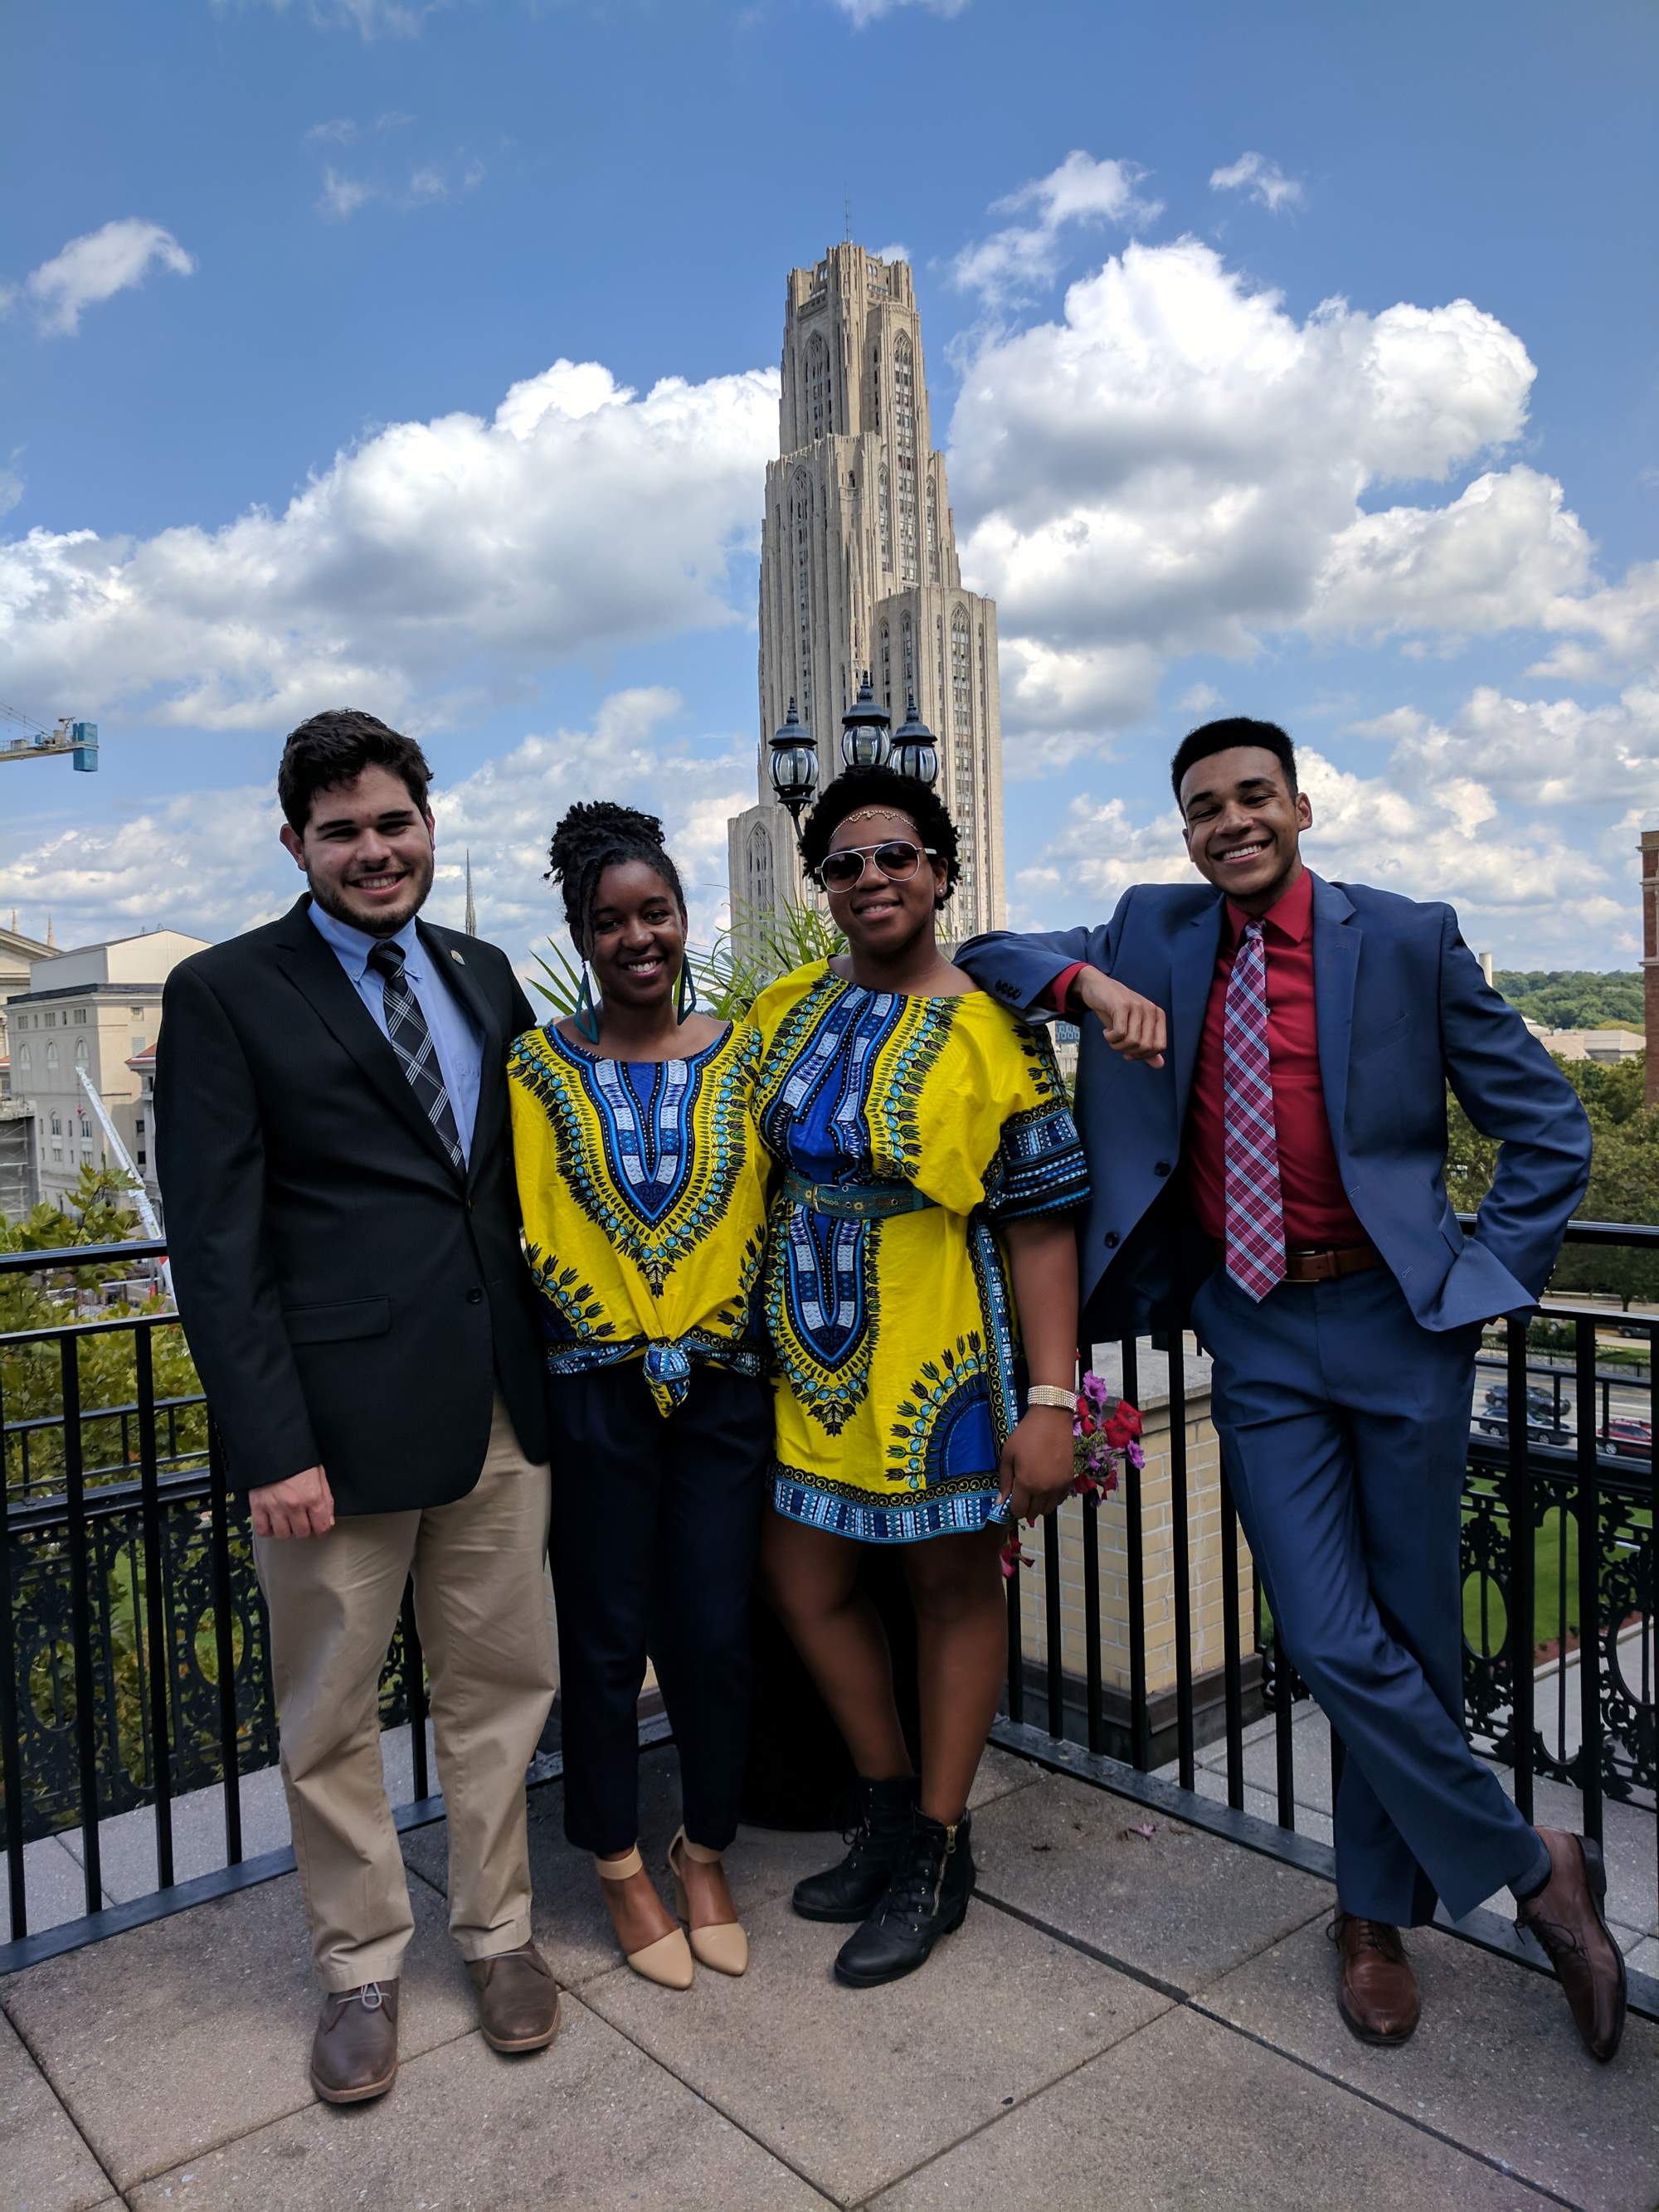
(518, 1999)
(1566, 1916)
(1378, 1996)
(353, 2053)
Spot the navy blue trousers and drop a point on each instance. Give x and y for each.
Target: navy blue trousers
(656, 1528)
(1345, 1427)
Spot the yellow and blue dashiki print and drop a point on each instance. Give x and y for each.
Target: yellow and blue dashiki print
(895, 1338)
(642, 1186)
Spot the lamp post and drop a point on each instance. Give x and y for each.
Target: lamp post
(794, 766)
(914, 752)
(864, 729)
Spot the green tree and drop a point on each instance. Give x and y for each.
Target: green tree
(1624, 1184)
(32, 1375)
(1574, 998)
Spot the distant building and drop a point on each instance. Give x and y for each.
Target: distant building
(1650, 956)
(1606, 1048)
(98, 1008)
(17, 955)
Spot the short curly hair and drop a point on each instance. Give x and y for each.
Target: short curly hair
(894, 793)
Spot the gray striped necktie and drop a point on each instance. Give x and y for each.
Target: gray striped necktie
(412, 1040)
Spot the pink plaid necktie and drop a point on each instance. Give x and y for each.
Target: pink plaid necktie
(1255, 1207)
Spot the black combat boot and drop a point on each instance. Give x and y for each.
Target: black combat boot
(926, 1898)
(878, 1841)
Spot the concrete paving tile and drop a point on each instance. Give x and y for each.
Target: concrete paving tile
(1186, 2114)
(854, 2086)
(1495, 2066)
(1262, 1804)
(45, 2164)
(1000, 1774)
(590, 2124)
(570, 1919)
(197, 2028)
(1177, 1904)
(1311, 1747)
(54, 1887)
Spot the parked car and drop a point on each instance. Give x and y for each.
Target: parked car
(1544, 1425)
(1628, 1437)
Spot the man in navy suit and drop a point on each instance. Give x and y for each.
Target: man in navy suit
(1277, 1160)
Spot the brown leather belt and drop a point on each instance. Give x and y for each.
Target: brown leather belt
(1302, 1266)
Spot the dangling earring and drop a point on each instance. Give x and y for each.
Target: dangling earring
(587, 1013)
(685, 999)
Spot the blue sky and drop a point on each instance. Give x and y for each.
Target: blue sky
(1220, 434)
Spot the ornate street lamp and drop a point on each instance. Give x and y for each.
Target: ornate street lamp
(914, 752)
(794, 766)
(864, 729)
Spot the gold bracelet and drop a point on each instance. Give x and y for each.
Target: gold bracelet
(1051, 1393)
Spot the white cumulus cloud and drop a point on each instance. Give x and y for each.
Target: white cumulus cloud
(465, 551)
(1264, 180)
(1014, 262)
(95, 267)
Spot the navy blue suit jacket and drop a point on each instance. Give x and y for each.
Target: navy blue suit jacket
(1403, 1010)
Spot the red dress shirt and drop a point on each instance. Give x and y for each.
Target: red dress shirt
(1318, 1214)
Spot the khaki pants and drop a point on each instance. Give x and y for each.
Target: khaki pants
(480, 1603)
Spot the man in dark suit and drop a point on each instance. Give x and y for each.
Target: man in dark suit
(344, 1228)
(1279, 1159)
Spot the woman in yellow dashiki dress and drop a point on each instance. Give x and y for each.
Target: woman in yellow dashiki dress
(643, 1189)
(921, 1227)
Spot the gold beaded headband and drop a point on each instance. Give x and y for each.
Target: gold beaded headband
(877, 814)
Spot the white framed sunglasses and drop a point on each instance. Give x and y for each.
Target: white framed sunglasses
(896, 858)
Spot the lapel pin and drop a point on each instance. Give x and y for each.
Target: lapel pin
(456, 957)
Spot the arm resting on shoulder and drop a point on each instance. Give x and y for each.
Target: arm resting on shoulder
(210, 1150)
(1510, 1089)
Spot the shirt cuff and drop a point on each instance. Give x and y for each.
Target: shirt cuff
(1060, 989)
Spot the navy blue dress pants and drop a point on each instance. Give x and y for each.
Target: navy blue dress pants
(1345, 1426)
(656, 1528)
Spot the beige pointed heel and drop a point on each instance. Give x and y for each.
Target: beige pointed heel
(725, 1947)
(668, 1960)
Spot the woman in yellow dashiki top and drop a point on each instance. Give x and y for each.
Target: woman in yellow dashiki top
(642, 1185)
(922, 1226)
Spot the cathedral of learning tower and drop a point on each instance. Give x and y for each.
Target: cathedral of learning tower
(858, 571)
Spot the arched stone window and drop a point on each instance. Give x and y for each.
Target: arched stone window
(906, 636)
(52, 1057)
(80, 1052)
(801, 525)
(933, 531)
(760, 869)
(962, 675)
(883, 522)
(886, 668)
(820, 392)
(904, 431)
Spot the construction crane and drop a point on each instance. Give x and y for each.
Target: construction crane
(78, 738)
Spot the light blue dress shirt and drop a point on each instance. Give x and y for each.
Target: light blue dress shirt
(454, 1038)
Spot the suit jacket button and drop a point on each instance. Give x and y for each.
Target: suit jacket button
(1111, 1239)
(1161, 1168)
(475, 1297)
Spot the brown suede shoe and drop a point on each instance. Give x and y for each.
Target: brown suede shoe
(353, 2053)
(518, 1999)
(1378, 1996)
(1566, 1916)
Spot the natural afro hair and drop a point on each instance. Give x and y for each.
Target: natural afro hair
(596, 834)
(895, 794)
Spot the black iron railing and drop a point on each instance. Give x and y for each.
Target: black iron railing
(133, 1654)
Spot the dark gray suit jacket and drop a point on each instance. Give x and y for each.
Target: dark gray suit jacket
(351, 1298)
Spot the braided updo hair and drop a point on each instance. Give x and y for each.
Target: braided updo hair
(593, 835)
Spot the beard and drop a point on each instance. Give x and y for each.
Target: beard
(336, 899)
